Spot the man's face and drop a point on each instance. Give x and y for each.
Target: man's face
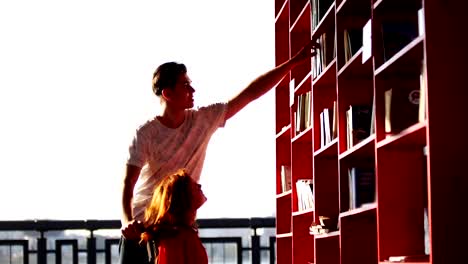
(182, 94)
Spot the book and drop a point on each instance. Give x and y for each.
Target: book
(367, 41)
(285, 178)
(335, 121)
(401, 107)
(422, 96)
(327, 123)
(359, 119)
(304, 191)
(322, 129)
(362, 186)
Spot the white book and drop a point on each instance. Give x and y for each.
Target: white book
(367, 41)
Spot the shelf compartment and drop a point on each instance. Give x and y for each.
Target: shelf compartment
(358, 238)
(327, 248)
(282, 104)
(406, 61)
(300, 35)
(283, 216)
(301, 242)
(358, 93)
(301, 239)
(301, 163)
(351, 16)
(301, 222)
(297, 9)
(357, 183)
(284, 248)
(328, 21)
(326, 187)
(402, 197)
(282, 37)
(324, 97)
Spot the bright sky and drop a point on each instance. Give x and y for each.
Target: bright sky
(75, 82)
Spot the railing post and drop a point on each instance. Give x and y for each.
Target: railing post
(91, 249)
(255, 247)
(42, 249)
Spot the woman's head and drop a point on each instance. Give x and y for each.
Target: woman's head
(175, 200)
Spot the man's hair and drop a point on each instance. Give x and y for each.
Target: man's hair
(165, 76)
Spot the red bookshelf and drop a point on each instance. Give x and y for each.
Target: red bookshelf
(374, 122)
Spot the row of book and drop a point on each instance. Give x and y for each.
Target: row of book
(303, 118)
(361, 182)
(328, 125)
(305, 194)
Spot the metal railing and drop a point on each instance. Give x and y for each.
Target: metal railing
(237, 240)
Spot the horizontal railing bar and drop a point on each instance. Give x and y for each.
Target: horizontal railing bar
(50, 225)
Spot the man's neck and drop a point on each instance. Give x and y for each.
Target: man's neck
(172, 118)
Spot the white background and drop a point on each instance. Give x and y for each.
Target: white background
(75, 82)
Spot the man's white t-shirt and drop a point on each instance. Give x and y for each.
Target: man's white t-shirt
(160, 150)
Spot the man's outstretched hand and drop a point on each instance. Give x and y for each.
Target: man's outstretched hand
(307, 51)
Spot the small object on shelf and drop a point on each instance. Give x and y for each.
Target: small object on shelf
(410, 258)
(329, 223)
(316, 229)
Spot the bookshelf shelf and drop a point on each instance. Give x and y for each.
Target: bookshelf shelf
(412, 136)
(304, 85)
(367, 209)
(333, 234)
(328, 151)
(283, 134)
(285, 235)
(303, 212)
(354, 68)
(364, 148)
(286, 195)
(393, 262)
(303, 137)
(328, 76)
(374, 127)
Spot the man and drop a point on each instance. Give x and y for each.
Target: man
(179, 136)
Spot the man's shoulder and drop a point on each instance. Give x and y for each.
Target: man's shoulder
(148, 125)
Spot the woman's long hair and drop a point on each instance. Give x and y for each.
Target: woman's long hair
(171, 204)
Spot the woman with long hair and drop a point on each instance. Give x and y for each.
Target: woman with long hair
(169, 229)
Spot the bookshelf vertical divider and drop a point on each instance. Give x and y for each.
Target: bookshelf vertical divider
(370, 150)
